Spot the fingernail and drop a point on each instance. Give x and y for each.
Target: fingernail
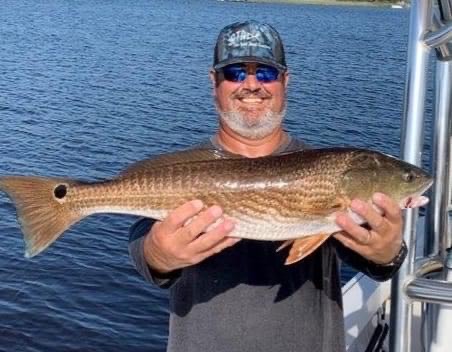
(228, 225)
(198, 204)
(340, 220)
(378, 197)
(216, 211)
(357, 204)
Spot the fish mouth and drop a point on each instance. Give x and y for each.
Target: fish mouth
(416, 201)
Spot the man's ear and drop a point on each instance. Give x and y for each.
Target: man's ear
(285, 78)
(213, 79)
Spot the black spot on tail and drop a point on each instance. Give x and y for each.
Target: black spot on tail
(60, 191)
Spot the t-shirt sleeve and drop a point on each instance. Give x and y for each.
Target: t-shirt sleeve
(137, 233)
(373, 270)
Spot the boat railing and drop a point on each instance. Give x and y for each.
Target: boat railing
(430, 29)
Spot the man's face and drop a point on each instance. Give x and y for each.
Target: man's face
(249, 100)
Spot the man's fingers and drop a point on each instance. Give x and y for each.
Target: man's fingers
(353, 231)
(222, 245)
(213, 237)
(350, 242)
(375, 220)
(179, 216)
(202, 222)
(383, 240)
(345, 239)
(390, 207)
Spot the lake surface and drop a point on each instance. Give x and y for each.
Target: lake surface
(87, 87)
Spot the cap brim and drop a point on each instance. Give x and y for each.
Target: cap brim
(259, 60)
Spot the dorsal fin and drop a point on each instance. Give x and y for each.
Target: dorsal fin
(191, 155)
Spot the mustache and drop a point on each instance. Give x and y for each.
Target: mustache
(247, 93)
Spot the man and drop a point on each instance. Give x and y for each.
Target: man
(227, 295)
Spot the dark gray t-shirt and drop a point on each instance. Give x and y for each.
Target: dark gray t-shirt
(246, 299)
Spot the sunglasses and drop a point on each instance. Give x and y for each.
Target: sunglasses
(239, 72)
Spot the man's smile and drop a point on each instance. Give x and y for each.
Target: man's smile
(252, 100)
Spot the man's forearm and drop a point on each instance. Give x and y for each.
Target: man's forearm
(137, 234)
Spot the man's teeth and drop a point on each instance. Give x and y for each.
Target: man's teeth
(252, 100)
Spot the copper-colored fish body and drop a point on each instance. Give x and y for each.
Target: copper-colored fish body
(280, 197)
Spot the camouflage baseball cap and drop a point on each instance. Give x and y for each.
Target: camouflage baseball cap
(249, 41)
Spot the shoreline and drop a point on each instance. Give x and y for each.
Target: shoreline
(322, 2)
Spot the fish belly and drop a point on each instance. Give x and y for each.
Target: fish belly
(157, 214)
(281, 229)
(269, 228)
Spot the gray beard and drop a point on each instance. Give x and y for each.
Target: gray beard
(255, 129)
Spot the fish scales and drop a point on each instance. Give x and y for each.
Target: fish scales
(282, 197)
(214, 183)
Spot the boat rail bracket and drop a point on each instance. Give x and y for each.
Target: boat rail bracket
(430, 290)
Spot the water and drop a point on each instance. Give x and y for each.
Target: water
(88, 87)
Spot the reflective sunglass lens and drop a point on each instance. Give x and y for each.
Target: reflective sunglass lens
(267, 74)
(236, 73)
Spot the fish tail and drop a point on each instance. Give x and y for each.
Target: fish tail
(42, 209)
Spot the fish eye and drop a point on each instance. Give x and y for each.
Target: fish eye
(60, 191)
(408, 176)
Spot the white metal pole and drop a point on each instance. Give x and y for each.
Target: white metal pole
(411, 148)
(438, 215)
(441, 337)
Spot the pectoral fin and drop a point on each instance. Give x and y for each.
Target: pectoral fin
(326, 208)
(303, 247)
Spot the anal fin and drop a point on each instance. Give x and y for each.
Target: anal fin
(302, 247)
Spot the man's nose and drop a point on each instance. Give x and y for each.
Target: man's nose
(251, 82)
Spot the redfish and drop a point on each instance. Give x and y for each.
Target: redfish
(293, 197)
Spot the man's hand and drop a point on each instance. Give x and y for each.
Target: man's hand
(187, 237)
(383, 240)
